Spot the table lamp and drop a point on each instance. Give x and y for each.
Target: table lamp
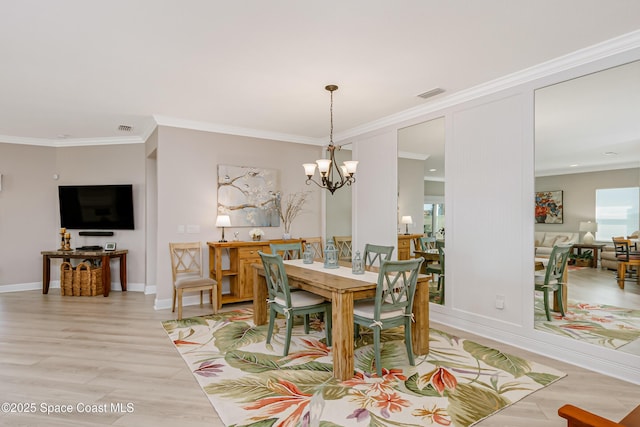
(223, 221)
(406, 220)
(589, 227)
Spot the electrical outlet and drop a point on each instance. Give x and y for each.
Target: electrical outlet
(500, 302)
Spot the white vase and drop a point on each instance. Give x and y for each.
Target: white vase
(286, 236)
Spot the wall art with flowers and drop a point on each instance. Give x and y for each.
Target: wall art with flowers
(549, 207)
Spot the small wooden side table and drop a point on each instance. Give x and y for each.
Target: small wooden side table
(595, 247)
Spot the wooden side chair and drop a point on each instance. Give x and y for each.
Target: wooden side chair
(551, 280)
(392, 305)
(287, 250)
(290, 304)
(628, 260)
(578, 417)
(343, 246)
(187, 274)
(374, 254)
(317, 247)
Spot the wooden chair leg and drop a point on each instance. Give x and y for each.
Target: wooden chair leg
(173, 305)
(622, 270)
(179, 304)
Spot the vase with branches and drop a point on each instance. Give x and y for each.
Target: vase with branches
(289, 208)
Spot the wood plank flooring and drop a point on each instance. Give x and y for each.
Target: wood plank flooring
(94, 350)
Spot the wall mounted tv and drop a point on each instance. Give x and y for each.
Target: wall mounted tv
(96, 207)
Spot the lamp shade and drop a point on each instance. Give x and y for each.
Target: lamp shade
(588, 226)
(406, 220)
(223, 221)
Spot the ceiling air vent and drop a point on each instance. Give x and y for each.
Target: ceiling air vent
(125, 128)
(430, 93)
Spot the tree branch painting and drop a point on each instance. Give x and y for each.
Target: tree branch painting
(247, 195)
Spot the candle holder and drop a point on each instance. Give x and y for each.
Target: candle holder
(62, 233)
(67, 242)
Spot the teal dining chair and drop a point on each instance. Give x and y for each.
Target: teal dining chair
(427, 243)
(374, 254)
(392, 305)
(552, 279)
(287, 250)
(289, 304)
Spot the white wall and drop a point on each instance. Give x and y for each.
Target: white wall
(187, 189)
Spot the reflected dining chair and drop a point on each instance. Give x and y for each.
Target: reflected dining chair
(289, 304)
(343, 246)
(392, 305)
(628, 260)
(552, 278)
(427, 243)
(374, 254)
(287, 250)
(186, 271)
(316, 245)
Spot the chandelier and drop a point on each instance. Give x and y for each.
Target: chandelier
(332, 176)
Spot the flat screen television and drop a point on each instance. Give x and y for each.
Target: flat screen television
(96, 207)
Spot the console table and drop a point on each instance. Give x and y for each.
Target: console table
(104, 256)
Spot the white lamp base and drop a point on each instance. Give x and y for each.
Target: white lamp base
(588, 238)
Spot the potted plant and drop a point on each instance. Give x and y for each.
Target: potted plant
(584, 259)
(289, 208)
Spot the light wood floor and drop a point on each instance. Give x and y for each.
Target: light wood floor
(70, 350)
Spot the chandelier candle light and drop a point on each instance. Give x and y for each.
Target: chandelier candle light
(328, 168)
(223, 221)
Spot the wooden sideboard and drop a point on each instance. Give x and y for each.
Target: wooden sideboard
(405, 248)
(238, 272)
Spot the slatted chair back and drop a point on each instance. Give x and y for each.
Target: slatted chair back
(316, 245)
(375, 254)
(343, 246)
(287, 250)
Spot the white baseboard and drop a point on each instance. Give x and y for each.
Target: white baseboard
(55, 284)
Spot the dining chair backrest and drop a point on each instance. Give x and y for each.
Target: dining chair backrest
(287, 250)
(316, 245)
(396, 287)
(343, 246)
(276, 278)
(427, 243)
(557, 264)
(186, 259)
(375, 254)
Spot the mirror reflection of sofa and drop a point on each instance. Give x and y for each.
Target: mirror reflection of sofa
(546, 240)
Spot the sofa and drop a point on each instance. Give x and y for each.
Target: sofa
(546, 240)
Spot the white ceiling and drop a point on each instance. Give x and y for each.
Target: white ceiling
(74, 70)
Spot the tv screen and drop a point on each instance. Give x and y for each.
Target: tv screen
(97, 207)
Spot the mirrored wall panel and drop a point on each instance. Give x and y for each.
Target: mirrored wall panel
(421, 209)
(587, 144)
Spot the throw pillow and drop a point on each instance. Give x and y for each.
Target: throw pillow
(548, 241)
(561, 239)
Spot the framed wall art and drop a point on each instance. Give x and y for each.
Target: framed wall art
(248, 195)
(549, 207)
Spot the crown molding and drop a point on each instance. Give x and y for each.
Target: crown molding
(618, 45)
(580, 57)
(235, 130)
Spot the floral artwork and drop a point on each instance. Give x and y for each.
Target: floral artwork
(248, 195)
(549, 207)
(250, 383)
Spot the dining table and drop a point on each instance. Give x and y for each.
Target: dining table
(342, 288)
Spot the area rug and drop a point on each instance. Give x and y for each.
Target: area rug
(599, 324)
(250, 383)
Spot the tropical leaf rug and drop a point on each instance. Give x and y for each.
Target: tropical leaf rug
(599, 324)
(250, 383)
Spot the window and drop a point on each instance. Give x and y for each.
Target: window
(617, 212)
(433, 218)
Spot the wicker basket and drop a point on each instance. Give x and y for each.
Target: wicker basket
(84, 280)
(66, 278)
